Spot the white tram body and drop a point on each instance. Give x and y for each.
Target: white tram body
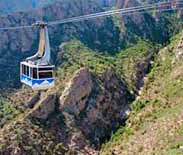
(38, 77)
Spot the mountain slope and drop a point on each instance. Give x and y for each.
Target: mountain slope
(101, 68)
(155, 124)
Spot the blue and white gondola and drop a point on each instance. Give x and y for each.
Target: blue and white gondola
(36, 76)
(36, 71)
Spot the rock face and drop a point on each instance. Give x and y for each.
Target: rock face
(89, 109)
(106, 105)
(96, 107)
(45, 108)
(77, 91)
(141, 70)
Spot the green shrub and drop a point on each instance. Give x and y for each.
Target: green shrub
(139, 105)
(7, 111)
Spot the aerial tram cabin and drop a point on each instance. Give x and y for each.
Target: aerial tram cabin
(37, 71)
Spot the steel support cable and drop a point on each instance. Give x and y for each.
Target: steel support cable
(87, 17)
(110, 12)
(161, 10)
(100, 14)
(123, 11)
(77, 19)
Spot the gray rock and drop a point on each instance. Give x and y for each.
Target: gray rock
(45, 108)
(78, 89)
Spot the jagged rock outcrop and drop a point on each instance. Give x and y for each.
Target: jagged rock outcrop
(106, 105)
(74, 97)
(96, 106)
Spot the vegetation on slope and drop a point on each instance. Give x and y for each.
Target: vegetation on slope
(155, 123)
(130, 64)
(29, 138)
(7, 111)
